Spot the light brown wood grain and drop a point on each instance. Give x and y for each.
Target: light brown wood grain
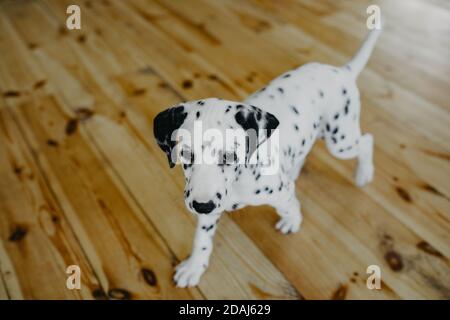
(36, 235)
(76, 115)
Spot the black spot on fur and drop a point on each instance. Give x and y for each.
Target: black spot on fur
(347, 104)
(328, 127)
(336, 116)
(321, 93)
(257, 191)
(197, 114)
(296, 127)
(295, 110)
(207, 228)
(287, 75)
(344, 91)
(219, 195)
(335, 130)
(281, 90)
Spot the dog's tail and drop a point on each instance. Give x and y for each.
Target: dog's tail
(360, 59)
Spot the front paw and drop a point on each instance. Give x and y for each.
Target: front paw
(364, 175)
(290, 223)
(189, 272)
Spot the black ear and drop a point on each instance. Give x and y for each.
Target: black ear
(252, 120)
(164, 124)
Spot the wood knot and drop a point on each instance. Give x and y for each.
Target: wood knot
(11, 94)
(17, 170)
(340, 293)
(187, 84)
(39, 84)
(403, 194)
(119, 294)
(149, 277)
(84, 113)
(81, 38)
(99, 294)
(425, 246)
(18, 234)
(138, 92)
(71, 126)
(52, 143)
(394, 260)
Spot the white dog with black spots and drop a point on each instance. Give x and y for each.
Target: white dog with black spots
(310, 102)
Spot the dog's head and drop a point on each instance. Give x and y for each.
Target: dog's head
(213, 139)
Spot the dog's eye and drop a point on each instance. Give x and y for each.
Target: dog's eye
(187, 156)
(228, 158)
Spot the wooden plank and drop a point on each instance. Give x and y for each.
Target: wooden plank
(176, 50)
(92, 200)
(407, 106)
(37, 242)
(117, 144)
(269, 284)
(430, 89)
(118, 240)
(3, 291)
(439, 237)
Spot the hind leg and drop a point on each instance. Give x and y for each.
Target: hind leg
(344, 141)
(364, 170)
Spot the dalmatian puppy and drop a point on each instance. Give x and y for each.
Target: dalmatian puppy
(310, 102)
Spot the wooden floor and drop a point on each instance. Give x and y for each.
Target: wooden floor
(82, 181)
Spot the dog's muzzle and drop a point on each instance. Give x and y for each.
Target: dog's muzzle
(203, 207)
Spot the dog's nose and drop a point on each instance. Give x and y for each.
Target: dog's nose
(203, 207)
